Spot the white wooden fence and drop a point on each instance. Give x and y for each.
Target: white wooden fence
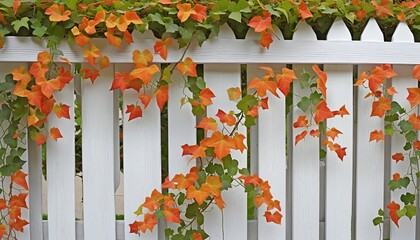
(332, 199)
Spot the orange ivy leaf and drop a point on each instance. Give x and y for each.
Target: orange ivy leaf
(153, 202)
(197, 236)
(322, 112)
(103, 62)
(207, 123)
(300, 136)
(315, 133)
(380, 107)
(388, 72)
(44, 58)
(112, 39)
(128, 38)
(396, 177)
(160, 47)
(321, 81)
(342, 111)
(238, 139)
(161, 96)
(393, 208)
(383, 10)
(15, 212)
(229, 118)
(145, 99)
(18, 224)
(145, 74)
(260, 24)
(398, 157)
(82, 40)
(183, 182)
(57, 13)
(40, 138)
(55, 133)
(134, 111)
(168, 184)
(187, 67)
(205, 96)
(301, 122)
(251, 179)
(215, 185)
(3, 204)
(376, 135)
(263, 103)
(121, 81)
(413, 96)
(62, 110)
(199, 195)
(340, 151)
(148, 223)
(234, 93)
(120, 22)
(91, 53)
(285, 79)
(416, 72)
(415, 121)
(16, 5)
(194, 150)
(221, 143)
(304, 11)
(142, 59)
(266, 39)
(333, 133)
(91, 74)
(201, 13)
(18, 200)
(172, 215)
(263, 85)
(132, 17)
(391, 91)
(273, 217)
(184, 11)
(19, 178)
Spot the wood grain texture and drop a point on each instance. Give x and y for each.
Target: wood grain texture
(306, 164)
(61, 171)
(370, 155)
(98, 156)
(339, 174)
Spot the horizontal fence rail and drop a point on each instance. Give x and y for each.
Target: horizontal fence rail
(321, 199)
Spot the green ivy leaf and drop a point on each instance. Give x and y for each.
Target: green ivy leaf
(377, 221)
(304, 104)
(408, 198)
(410, 211)
(237, 16)
(23, 22)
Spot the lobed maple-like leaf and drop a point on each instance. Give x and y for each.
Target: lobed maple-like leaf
(18, 224)
(194, 150)
(205, 96)
(321, 81)
(340, 151)
(187, 67)
(260, 24)
(273, 217)
(40, 138)
(113, 39)
(414, 119)
(222, 144)
(322, 112)
(161, 96)
(149, 223)
(228, 118)
(263, 85)
(397, 157)
(238, 139)
(183, 182)
(145, 74)
(57, 13)
(120, 23)
(135, 111)
(300, 136)
(333, 133)
(391, 91)
(304, 11)
(91, 53)
(251, 179)
(142, 59)
(145, 99)
(376, 135)
(3, 204)
(55, 133)
(172, 214)
(103, 62)
(15, 212)
(62, 111)
(201, 13)
(207, 123)
(161, 47)
(199, 195)
(266, 39)
(301, 122)
(153, 202)
(234, 93)
(315, 133)
(413, 96)
(185, 10)
(380, 106)
(19, 178)
(121, 81)
(383, 9)
(132, 17)
(393, 208)
(18, 200)
(284, 80)
(342, 111)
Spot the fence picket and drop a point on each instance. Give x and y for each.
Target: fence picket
(142, 157)
(35, 186)
(61, 171)
(401, 82)
(220, 77)
(370, 155)
(339, 174)
(306, 165)
(98, 105)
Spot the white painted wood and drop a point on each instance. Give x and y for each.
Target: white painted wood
(23, 49)
(61, 170)
(181, 127)
(272, 154)
(142, 158)
(370, 155)
(35, 186)
(401, 82)
(306, 164)
(339, 173)
(220, 77)
(98, 156)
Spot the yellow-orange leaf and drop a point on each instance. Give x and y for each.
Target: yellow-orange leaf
(57, 13)
(161, 96)
(132, 17)
(416, 72)
(40, 138)
(145, 74)
(172, 215)
(134, 111)
(301, 122)
(229, 118)
(62, 110)
(285, 79)
(199, 195)
(222, 144)
(55, 133)
(376, 135)
(142, 59)
(145, 99)
(184, 11)
(187, 67)
(207, 123)
(18, 224)
(234, 93)
(314, 133)
(333, 133)
(103, 62)
(205, 96)
(91, 53)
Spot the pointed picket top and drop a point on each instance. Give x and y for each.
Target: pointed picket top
(251, 34)
(148, 34)
(304, 32)
(372, 32)
(225, 32)
(339, 31)
(403, 33)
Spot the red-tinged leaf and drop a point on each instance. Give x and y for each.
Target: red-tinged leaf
(160, 47)
(416, 72)
(393, 208)
(2, 20)
(413, 96)
(396, 177)
(103, 62)
(142, 59)
(342, 111)
(134, 111)
(44, 58)
(321, 81)
(161, 96)
(201, 13)
(38, 70)
(132, 17)
(3, 204)
(121, 81)
(120, 22)
(301, 122)
(361, 14)
(15, 5)
(284, 80)
(251, 179)
(165, 2)
(263, 85)
(234, 93)
(57, 13)
(197, 236)
(62, 110)
(183, 182)
(362, 78)
(15, 212)
(222, 144)
(91, 53)
(91, 74)
(187, 67)
(153, 202)
(269, 70)
(253, 112)
(128, 38)
(100, 16)
(35, 96)
(18, 200)
(207, 123)
(112, 39)
(263, 103)
(185, 10)
(415, 121)
(238, 139)
(315, 133)
(376, 78)
(322, 112)
(148, 223)
(199, 195)
(333, 133)
(266, 39)
(205, 96)
(19, 178)
(304, 11)
(398, 157)
(300, 136)
(145, 74)
(18, 224)
(273, 217)
(145, 99)
(388, 72)
(383, 9)
(194, 150)
(229, 118)
(416, 145)
(40, 138)
(47, 106)
(168, 184)
(380, 107)
(260, 24)
(55, 133)
(172, 215)
(3, 230)
(340, 151)
(376, 135)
